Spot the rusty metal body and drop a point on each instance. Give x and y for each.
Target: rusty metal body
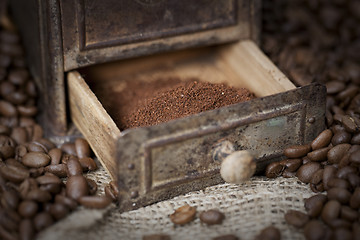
(62, 35)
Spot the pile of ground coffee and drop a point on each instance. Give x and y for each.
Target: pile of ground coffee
(147, 104)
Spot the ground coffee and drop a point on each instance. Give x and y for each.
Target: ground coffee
(149, 103)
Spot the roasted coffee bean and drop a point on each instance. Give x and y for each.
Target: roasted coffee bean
(27, 111)
(70, 203)
(341, 137)
(287, 174)
(48, 179)
(7, 109)
(20, 151)
(291, 164)
(73, 166)
(355, 199)
(42, 220)
(226, 237)
(350, 124)
(356, 230)
(36, 159)
(52, 188)
(69, 148)
(110, 194)
(58, 211)
(36, 172)
(349, 214)
(355, 157)
(296, 218)
(183, 215)
(211, 217)
(338, 183)
(319, 154)
(26, 229)
(55, 155)
(39, 195)
(14, 174)
(314, 230)
(335, 154)
(314, 205)
(305, 172)
(88, 164)
(94, 201)
(322, 140)
(36, 147)
(317, 177)
(331, 211)
(82, 148)
(274, 170)
(19, 134)
(297, 151)
(156, 237)
(355, 139)
(92, 186)
(59, 170)
(76, 187)
(345, 171)
(342, 234)
(269, 233)
(26, 186)
(10, 199)
(334, 87)
(28, 208)
(7, 220)
(340, 194)
(114, 187)
(354, 180)
(16, 98)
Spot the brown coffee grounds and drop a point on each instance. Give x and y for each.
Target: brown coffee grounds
(141, 104)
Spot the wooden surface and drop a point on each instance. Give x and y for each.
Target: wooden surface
(240, 64)
(92, 120)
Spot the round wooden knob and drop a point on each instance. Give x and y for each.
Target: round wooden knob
(238, 167)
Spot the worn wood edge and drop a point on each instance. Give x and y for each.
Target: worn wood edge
(92, 120)
(247, 65)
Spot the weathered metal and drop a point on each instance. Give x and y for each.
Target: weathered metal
(177, 157)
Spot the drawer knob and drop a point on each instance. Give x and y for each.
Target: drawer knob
(236, 166)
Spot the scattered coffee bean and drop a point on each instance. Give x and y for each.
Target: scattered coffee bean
(36, 159)
(291, 165)
(82, 148)
(297, 151)
(76, 187)
(88, 164)
(28, 208)
(322, 140)
(269, 233)
(296, 218)
(318, 155)
(42, 220)
(305, 172)
(26, 229)
(335, 154)
(314, 230)
(94, 201)
(183, 215)
(274, 170)
(314, 205)
(73, 166)
(212, 217)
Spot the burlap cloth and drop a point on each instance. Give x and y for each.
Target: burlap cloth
(248, 208)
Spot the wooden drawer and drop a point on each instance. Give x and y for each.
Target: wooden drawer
(162, 161)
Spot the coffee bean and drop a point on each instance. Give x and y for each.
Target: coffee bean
(28, 208)
(274, 170)
(70, 203)
(114, 187)
(334, 87)
(16, 98)
(345, 171)
(314, 205)
(8, 221)
(338, 183)
(52, 188)
(88, 164)
(350, 124)
(92, 186)
(322, 140)
(14, 174)
(10, 199)
(297, 151)
(340, 194)
(355, 199)
(73, 166)
(269, 233)
(183, 215)
(331, 211)
(226, 237)
(354, 180)
(291, 164)
(27, 111)
(19, 134)
(296, 218)
(59, 170)
(36, 159)
(36, 172)
(42, 220)
(38, 195)
(319, 154)
(94, 201)
(341, 137)
(349, 214)
(317, 177)
(305, 172)
(82, 148)
(156, 237)
(7, 109)
(58, 211)
(36, 147)
(110, 194)
(342, 234)
(335, 154)
(26, 186)
(69, 148)
(314, 230)
(287, 174)
(355, 157)
(55, 155)
(211, 217)
(356, 230)
(26, 229)
(48, 179)
(76, 187)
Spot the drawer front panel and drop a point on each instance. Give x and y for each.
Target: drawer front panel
(176, 157)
